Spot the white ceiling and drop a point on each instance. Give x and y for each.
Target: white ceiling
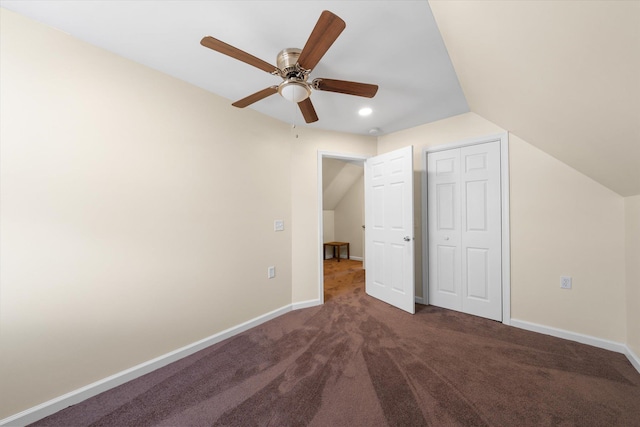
(562, 75)
(394, 44)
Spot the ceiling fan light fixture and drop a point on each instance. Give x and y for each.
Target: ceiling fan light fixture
(294, 67)
(294, 90)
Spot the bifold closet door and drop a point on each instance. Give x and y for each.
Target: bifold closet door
(464, 229)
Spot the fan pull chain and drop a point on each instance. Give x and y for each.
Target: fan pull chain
(294, 131)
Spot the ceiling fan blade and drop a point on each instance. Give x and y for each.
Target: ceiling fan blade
(326, 31)
(343, 86)
(309, 113)
(234, 52)
(245, 102)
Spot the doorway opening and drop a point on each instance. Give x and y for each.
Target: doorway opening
(340, 218)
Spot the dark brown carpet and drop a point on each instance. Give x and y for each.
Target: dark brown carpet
(356, 361)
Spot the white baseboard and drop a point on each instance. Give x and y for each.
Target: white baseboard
(305, 304)
(633, 358)
(76, 396)
(419, 300)
(581, 338)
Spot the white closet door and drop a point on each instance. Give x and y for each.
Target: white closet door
(481, 230)
(464, 225)
(443, 186)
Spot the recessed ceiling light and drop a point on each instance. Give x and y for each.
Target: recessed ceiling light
(365, 111)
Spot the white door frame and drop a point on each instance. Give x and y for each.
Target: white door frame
(328, 155)
(503, 138)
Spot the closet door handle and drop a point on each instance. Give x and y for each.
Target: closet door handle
(407, 238)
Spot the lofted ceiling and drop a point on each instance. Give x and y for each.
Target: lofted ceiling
(394, 44)
(562, 75)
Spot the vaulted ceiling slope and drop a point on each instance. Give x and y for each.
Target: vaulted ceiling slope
(394, 44)
(562, 75)
(337, 178)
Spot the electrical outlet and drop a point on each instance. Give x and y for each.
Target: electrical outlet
(271, 272)
(278, 225)
(565, 282)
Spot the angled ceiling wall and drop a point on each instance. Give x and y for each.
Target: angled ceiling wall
(337, 178)
(563, 75)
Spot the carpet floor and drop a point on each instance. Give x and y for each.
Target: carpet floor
(356, 361)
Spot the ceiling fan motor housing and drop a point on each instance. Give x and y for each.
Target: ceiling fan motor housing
(294, 87)
(287, 62)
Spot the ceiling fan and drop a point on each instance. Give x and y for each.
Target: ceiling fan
(294, 67)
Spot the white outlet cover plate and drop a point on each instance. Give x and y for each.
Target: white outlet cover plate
(278, 225)
(565, 282)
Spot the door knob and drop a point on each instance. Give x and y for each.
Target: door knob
(407, 238)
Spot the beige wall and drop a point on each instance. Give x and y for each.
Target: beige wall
(304, 200)
(632, 215)
(328, 226)
(565, 224)
(328, 230)
(562, 223)
(137, 214)
(349, 218)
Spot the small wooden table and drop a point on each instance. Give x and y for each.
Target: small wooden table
(336, 249)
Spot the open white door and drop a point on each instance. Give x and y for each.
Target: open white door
(389, 240)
